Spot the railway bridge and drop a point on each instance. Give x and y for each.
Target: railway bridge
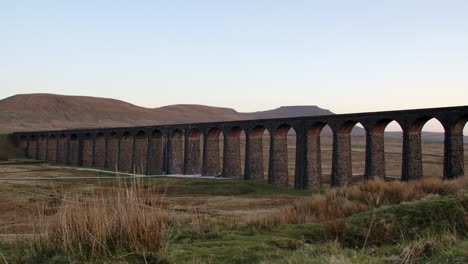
(195, 148)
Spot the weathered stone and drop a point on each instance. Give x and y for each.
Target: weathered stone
(211, 159)
(412, 156)
(342, 171)
(126, 153)
(375, 156)
(99, 159)
(192, 156)
(73, 150)
(42, 148)
(32, 147)
(112, 152)
(141, 154)
(52, 149)
(254, 158)
(176, 153)
(232, 166)
(454, 155)
(314, 163)
(156, 155)
(278, 170)
(87, 151)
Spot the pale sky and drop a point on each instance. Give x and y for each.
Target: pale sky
(346, 56)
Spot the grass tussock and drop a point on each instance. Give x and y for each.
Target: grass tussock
(121, 219)
(342, 202)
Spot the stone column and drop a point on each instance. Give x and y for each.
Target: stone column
(253, 157)
(175, 156)
(99, 159)
(192, 156)
(412, 156)
(62, 149)
(141, 154)
(73, 151)
(232, 166)
(211, 157)
(87, 152)
(342, 171)
(453, 155)
(52, 149)
(300, 167)
(42, 149)
(126, 154)
(32, 148)
(278, 172)
(155, 166)
(112, 152)
(375, 156)
(314, 163)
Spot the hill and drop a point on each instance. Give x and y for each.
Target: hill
(30, 112)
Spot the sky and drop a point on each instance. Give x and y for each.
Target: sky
(346, 56)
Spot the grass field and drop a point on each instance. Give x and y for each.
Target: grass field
(65, 215)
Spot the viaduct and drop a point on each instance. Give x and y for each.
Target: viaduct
(195, 148)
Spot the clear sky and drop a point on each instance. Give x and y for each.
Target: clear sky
(346, 56)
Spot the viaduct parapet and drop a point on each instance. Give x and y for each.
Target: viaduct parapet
(195, 148)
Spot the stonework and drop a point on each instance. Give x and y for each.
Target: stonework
(112, 154)
(232, 166)
(99, 159)
(192, 156)
(141, 154)
(412, 156)
(314, 163)
(62, 149)
(87, 151)
(176, 154)
(375, 156)
(163, 151)
(126, 154)
(254, 162)
(52, 149)
(211, 158)
(156, 155)
(342, 171)
(278, 171)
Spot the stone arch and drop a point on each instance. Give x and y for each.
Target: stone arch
(156, 153)
(112, 151)
(32, 147)
(52, 148)
(141, 153)
(212, 154)
(99, 159)
(42, 148)
(73, 149)
(255, 155)
(87, 150)
(62, 149)
(126, 152)
(193, 152)
(232, 152)
(176, 152)
(279, 173)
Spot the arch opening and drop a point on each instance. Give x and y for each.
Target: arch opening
(393, 149)
(432, 146)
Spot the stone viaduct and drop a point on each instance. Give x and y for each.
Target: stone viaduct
(195, 148)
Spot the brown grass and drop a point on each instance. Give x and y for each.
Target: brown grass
(117, 219)
(342, 202)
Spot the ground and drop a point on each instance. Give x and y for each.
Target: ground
(222, 221)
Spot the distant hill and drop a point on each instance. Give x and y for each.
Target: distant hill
(32, 112)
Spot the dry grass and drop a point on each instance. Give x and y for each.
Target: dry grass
(122, 218)
(342, 202)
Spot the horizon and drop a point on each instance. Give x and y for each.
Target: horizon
(248, 55)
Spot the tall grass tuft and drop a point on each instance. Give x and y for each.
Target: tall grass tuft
(111, 221)
(342, 202)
